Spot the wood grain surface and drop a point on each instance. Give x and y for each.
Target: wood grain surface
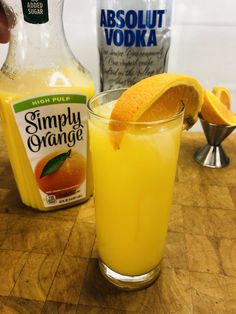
(48, 260)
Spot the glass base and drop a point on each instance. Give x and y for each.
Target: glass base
(129, 282)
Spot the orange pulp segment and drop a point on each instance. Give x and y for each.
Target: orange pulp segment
(223, 94)
(214, 111)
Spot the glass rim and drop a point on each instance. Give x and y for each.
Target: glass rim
(147, 123)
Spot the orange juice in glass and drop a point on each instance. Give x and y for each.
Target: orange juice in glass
(133, 187)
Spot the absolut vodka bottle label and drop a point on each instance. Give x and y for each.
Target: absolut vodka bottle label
(133, 40)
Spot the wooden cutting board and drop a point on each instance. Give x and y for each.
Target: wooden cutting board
(48, 260)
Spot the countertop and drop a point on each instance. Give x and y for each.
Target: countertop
(48, 260)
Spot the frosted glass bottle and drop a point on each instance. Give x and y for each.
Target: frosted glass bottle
(133, 40)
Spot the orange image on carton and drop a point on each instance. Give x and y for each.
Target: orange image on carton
(61, 173)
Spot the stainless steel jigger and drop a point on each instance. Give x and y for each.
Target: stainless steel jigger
(212, 154)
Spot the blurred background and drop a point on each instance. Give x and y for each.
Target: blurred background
(203, 40)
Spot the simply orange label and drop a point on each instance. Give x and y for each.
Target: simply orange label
(53, 129)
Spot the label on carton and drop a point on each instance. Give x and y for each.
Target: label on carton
(53, 129)
(35, 11)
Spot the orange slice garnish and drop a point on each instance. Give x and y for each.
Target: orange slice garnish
(156, 98)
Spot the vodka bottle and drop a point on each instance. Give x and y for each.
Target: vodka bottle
(133, 40)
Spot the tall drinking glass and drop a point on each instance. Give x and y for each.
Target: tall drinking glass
(133, 187)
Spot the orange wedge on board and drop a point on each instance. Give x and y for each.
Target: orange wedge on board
(214, 111)
(223, 94)
(156, 98)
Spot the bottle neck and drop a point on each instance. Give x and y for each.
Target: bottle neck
(36, 44)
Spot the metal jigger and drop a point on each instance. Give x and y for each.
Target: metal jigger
(212, 154)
